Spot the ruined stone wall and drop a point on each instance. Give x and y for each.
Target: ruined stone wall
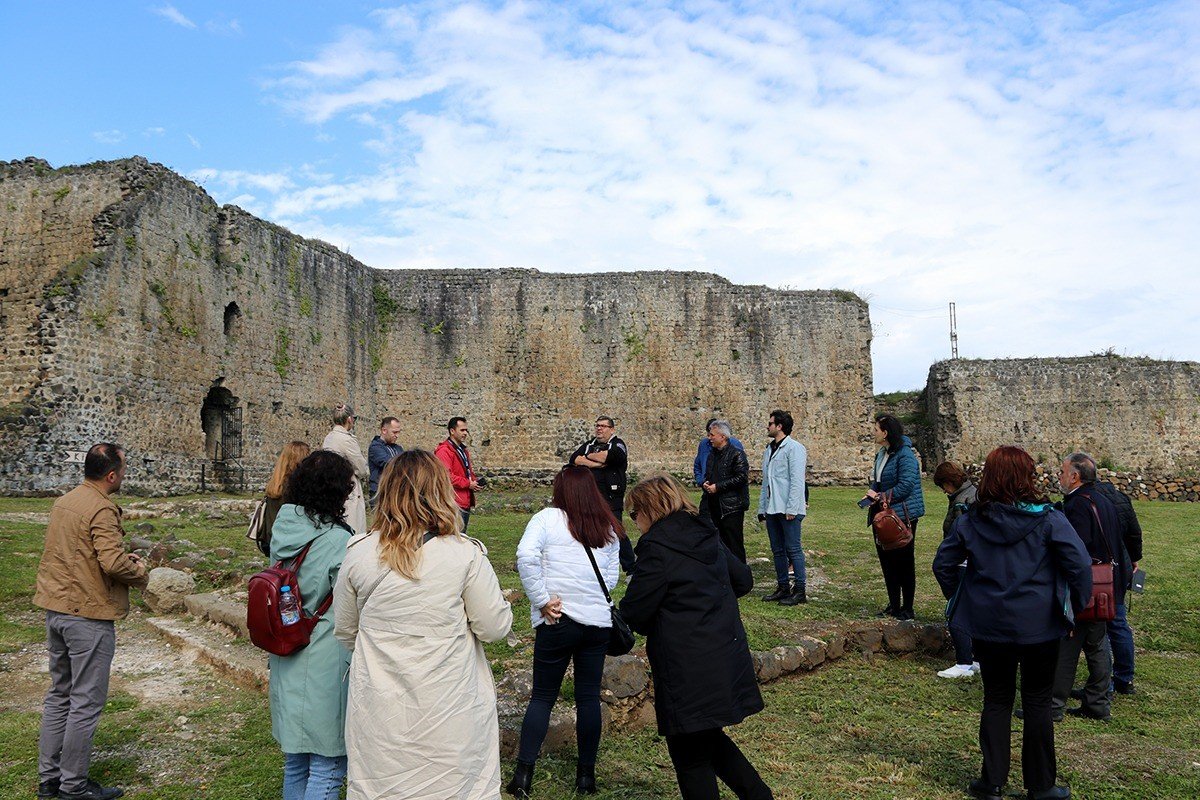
(1129, 413)
(127, 297)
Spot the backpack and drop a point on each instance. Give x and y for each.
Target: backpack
(262, 608)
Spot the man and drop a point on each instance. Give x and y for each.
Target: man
(726, 488)
(606, 455)
(83, 583)
(1095, 520)
(704, 450)
(341, 440)
(454, 454)
(782, 506)
(383, 448)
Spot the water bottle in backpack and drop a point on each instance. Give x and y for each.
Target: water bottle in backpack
(289, 609)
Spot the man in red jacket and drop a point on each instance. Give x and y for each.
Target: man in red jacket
(453, 453)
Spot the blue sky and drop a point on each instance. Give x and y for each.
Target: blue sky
(1038, 163)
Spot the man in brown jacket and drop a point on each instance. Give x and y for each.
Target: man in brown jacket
(83, 583)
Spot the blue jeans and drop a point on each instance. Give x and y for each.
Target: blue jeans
(1121, 638)
(784, 535)
(308, 776)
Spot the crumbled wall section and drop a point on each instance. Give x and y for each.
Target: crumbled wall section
(1130, 413)
(127, 296)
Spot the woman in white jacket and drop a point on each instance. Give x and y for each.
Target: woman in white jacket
(415, 600)
(569, 614)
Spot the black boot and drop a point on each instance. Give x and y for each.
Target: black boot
(522, 780)
(796, 597)
(585, 779)
(784, 590)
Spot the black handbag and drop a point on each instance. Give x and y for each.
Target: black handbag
(620, 637)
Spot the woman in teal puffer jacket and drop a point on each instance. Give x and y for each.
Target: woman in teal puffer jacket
(308, 688)
(897, 477)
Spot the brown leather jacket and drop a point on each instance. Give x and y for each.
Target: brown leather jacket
(85, 570)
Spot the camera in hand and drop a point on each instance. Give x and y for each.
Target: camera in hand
(482, 481)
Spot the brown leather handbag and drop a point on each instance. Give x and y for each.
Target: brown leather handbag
(1102, 606)
(891, 532)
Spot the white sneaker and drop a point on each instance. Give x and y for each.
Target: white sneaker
(975, 667)
(957, 671)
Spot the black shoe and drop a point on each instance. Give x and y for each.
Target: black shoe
(522, 780)
(905, 614)
(1078, 693)
(1053, 793)
(1123, 688)
(984, 791)
(1087, 713)
(585, 779)
(94, 791)
(797, 597)
(48, 790)
(784, 590)
(1055, 716)
(889, 611)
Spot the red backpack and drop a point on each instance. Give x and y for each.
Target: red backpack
(262, 609)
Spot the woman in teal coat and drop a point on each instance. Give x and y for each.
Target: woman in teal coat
(308, 688)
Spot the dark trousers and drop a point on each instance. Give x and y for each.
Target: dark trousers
(700, 758)
(1092, 639)
(998, 662)
(1120, 636)
(555, 646)
(900, 572)
(466, 517)
(81, 653)
(731, 527)
(961, 639)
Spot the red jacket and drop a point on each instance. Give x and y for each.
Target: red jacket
(460, 479)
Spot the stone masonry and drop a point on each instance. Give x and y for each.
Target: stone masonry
(134, 309)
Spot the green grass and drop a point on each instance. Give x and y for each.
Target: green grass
(864, 728)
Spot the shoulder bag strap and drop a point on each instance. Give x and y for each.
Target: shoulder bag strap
(599, 578)
(1103, 535)
(388, 571)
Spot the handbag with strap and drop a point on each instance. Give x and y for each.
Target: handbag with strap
(1102, 606)
(620, 637)
(891, 532)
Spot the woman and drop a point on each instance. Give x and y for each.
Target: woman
(308, 688)
(570, 616)
(961, 495)
(415, 601)
(1020, 555)
(683, 597)
(896, 477)
(291, 455)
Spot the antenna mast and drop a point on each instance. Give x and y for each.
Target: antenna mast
(953, 332)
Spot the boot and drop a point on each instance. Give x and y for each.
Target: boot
(585, 779)
(522, 780)
(796, 597)
(784, 590)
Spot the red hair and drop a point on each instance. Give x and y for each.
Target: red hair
(1008, 477)
(589, 518)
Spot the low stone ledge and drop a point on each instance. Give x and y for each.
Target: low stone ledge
(219, 609)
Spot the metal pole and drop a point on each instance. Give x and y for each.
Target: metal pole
(953, 332)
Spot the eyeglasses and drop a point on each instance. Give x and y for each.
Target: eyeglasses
(603, 425)
(633, 515)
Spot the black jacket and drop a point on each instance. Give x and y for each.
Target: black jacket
(1100, 531)
(1128, 526)
(610, 478)
(683, 597)
(730, 471)
(1027, 573)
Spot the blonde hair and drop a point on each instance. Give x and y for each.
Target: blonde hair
(415, 497)
(291, 455)
(658, 496)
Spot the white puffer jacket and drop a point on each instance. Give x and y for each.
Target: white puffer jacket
(551, 562)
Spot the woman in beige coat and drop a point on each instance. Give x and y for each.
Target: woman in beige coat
(414, 602)
(341, 440)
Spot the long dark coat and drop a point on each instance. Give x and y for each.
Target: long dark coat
(683, 597)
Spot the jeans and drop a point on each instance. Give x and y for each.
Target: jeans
(702, 757)
(784, 535)
(308, 776)
(466, 517)
(80, 654)
(998, 662)
(555, 646)
(1120, 637)
(900, 572)
(960, 638)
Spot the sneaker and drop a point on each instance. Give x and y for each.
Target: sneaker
(958, 671)
(975, 667)
(94, 791)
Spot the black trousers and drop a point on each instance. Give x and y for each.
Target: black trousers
(731, 528)
(998, 662)
(900, 572)
(700, 758)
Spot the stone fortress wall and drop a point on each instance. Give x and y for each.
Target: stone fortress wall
(134, 309)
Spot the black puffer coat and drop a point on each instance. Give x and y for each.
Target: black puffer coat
(683, 597)
(730, 471)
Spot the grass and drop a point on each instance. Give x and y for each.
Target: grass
(865, 728)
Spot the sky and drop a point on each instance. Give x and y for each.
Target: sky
(1036, 163)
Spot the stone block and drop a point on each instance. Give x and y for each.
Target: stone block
(933, 638)
(867, 638)
(900, 637)
(791, 658)
(767, 666)
(625, 676)
(835, 646)
(813, 652)
(166, 589)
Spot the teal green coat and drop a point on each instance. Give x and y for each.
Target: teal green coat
(308, 688)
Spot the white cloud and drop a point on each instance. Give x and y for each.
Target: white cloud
(108, 137)
(224, 27)
(999, 157)
(237, 180)
(155, 131)
(195, 142)
(173, 14)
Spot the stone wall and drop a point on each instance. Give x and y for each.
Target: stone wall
(1137, 485)
(1131, 414)
(129, 302)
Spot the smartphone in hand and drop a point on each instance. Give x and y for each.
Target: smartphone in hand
(865, 502)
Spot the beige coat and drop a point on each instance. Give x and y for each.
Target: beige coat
(421, 720)
(341, 441)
